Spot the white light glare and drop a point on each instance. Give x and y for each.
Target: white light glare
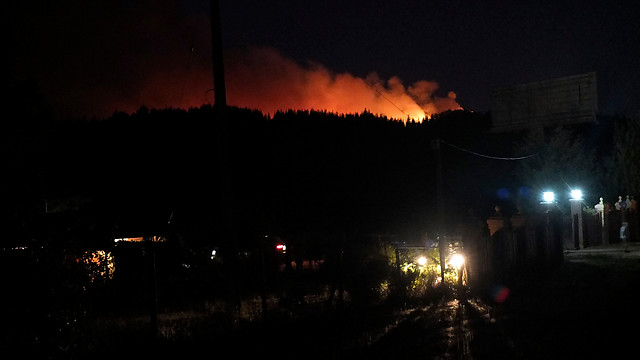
(457, 260)
(576, 194)
(422, 261)
(548, 196)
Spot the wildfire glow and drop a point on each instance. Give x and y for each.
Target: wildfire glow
(262, 78)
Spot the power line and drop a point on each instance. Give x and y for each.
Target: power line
(389, 100)
(454, 146)
(489, 156)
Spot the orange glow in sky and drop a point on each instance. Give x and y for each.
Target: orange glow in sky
(262, 78)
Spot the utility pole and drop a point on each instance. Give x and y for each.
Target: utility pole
(218, 60)
(225, 187)
(442, 244)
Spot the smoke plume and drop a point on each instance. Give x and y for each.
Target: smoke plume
(264, 79)
(149, 54)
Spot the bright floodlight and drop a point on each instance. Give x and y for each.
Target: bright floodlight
(576, 194)
(548, 196)
(422, 261)
(457, 260)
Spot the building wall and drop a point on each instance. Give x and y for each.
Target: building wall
(549, 103)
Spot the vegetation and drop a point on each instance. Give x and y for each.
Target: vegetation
(338, 189)
(627, 155)
(552, 152)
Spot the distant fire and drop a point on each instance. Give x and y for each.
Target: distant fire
(262, 78)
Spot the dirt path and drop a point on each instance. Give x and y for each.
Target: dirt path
(448, 329)
(588, 308)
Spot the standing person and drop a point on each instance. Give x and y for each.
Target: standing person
(624, 235)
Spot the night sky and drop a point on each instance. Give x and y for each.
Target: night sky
(90, 58)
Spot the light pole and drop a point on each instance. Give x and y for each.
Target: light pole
(548, 200)
(576, 218)
(600, 209)
(442, 243)
(457, 261)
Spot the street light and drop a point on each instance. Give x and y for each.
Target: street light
(457, 261)
(576, 194)
(576, 218)
(422, 261)
(548, 200)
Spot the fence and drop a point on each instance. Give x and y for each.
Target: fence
(598, 232)
(533, 243)
(517, 245)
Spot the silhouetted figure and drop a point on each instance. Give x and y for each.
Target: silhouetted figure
(624, 235)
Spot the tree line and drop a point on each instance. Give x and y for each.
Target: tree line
(296, 171)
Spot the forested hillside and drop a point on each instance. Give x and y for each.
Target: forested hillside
(294, 172)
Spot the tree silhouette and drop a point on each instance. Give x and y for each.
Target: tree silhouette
(561, 162)
(627, 154)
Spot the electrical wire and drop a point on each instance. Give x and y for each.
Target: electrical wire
(389, 100)
(489, 156)
(457, 147)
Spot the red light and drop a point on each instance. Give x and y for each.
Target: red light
(281, 247)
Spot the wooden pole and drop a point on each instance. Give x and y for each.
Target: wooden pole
(263, 288)
(442, 244)
(153, 293)
(225, 188)
(218, 60)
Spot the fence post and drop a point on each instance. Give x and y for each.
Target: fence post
(576, 223)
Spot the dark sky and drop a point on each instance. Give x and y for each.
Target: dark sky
(90, 57)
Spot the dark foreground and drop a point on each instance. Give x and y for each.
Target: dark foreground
(588, 308)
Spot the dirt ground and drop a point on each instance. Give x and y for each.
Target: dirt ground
(586, 308)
